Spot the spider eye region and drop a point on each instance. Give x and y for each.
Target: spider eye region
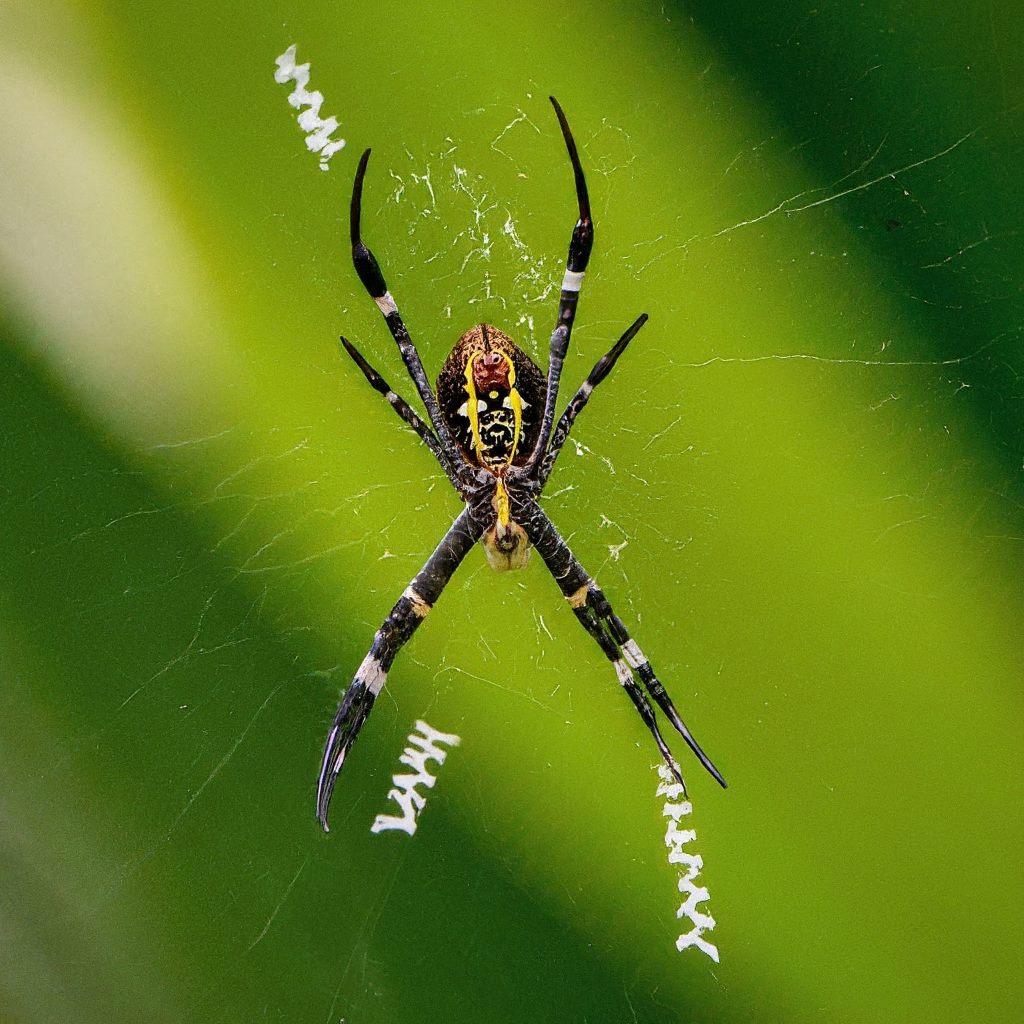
(493, 372)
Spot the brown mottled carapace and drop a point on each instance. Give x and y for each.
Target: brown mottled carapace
(491, 395)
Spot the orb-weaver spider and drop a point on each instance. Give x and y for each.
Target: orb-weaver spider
(494, 435)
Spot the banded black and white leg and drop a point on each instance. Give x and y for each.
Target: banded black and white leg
(396, 631)
(580, 244)
(373, 281)
(597, 617)
(409, 416)
(601, 369)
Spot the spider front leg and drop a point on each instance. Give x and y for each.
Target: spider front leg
(405, 617)
(595, 613)
(601, 369)
(454, 472)
(373, 281)
(580, 244)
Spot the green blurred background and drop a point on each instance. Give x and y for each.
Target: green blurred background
(802, 487)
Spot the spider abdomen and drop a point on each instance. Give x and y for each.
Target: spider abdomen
(491, 395)
(497, 429)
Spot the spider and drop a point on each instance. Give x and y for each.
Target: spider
(495, 436)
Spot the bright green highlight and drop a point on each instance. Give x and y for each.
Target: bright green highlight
(801, 487)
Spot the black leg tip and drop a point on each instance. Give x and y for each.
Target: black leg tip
(357, 197)
(353, 352)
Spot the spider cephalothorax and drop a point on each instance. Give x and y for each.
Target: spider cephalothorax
(493, 431)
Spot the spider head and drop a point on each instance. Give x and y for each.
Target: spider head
(491, 369)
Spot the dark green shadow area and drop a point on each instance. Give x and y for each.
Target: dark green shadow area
(913, 116)
(159, 850)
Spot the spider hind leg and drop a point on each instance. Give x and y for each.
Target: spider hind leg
(354, 709)
(637, 661)
(595, 614)
(395, 632)
(358, 701)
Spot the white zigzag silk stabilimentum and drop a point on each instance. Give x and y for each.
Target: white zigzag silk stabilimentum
(423, 747)
(690, 863)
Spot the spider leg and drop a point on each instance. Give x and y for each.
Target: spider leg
(409, 611)
(595, 613)
(580, 244)
(601, 370)
(409, 415)
(373, 281)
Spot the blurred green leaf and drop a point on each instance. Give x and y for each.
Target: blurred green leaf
(802, 487)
